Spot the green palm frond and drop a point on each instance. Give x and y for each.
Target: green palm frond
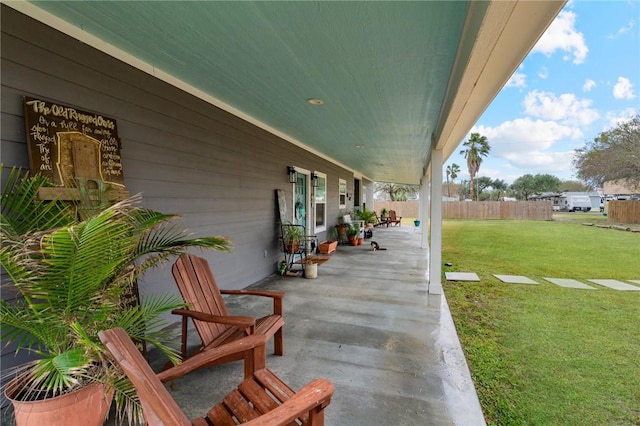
(61, 371)
(72, 279)
(23, 212)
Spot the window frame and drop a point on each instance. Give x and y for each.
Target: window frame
(322, 177)
(342, 194)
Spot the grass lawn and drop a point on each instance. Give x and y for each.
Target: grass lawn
(546, 355)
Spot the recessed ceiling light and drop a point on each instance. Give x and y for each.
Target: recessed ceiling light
(315, 101)
(359, 146)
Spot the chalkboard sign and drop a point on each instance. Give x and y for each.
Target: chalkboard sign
(67, 144)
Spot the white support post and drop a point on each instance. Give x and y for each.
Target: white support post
(435, 224)
(424, 213)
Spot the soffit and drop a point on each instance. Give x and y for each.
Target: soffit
(396, 78)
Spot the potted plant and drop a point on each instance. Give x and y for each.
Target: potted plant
(72, 277)
(352, 233)
(293, 236)
(368, 216)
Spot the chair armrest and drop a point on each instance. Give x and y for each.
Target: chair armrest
(315, 394)
(277, 296)
(238, 321)
(209, 356)
(264, 293)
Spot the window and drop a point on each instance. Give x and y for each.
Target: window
(342, 194)
(320, 210)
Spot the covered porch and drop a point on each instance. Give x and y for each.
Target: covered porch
(369, 325)
(217, 101)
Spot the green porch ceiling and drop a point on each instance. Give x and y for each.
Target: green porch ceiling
(388, 72)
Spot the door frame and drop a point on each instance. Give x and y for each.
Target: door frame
(308, 206)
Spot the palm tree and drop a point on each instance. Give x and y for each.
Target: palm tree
(476, 147)
(452, 171)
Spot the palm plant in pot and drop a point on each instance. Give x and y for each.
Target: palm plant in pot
(368, 216)
(352, 233)
(293, 236)
(72, 277)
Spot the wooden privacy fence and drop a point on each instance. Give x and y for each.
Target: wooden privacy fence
(523, 210)
(526, 210)
(627, 211)
(402, 208)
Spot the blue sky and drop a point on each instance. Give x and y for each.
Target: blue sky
(581, 78)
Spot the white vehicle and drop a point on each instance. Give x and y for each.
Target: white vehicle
(574, 203)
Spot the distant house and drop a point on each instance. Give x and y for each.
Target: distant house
(620, 189)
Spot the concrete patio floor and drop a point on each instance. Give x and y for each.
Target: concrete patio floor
(367, 324)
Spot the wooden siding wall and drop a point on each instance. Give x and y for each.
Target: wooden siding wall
(627, 211)
(522, 210)
(184, 155)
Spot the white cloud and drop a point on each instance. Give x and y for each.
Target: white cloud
(566, 108)
(623, 89)
(543, 162)
(588, 85)
(624, 29)
(523, 136)
(517, 80)
(543, 73)
(562, 35)
(615, 118)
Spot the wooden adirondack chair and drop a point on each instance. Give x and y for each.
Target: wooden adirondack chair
(392, 219)
(262, 399)
(209, 312)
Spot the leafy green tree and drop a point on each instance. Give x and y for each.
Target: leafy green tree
(499, 186)
(476, 147)
(528, 185)
(396, 191)
(463, 190)
(547, 183)
(524, 185)
(482, 183)
(452, 172)
(613, 155)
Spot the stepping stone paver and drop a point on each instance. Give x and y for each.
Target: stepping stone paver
(616, 285)
(515, 279)
(569, 283)
(461, 276)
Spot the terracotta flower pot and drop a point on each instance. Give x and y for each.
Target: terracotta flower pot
(327, 247)
(87, 406)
